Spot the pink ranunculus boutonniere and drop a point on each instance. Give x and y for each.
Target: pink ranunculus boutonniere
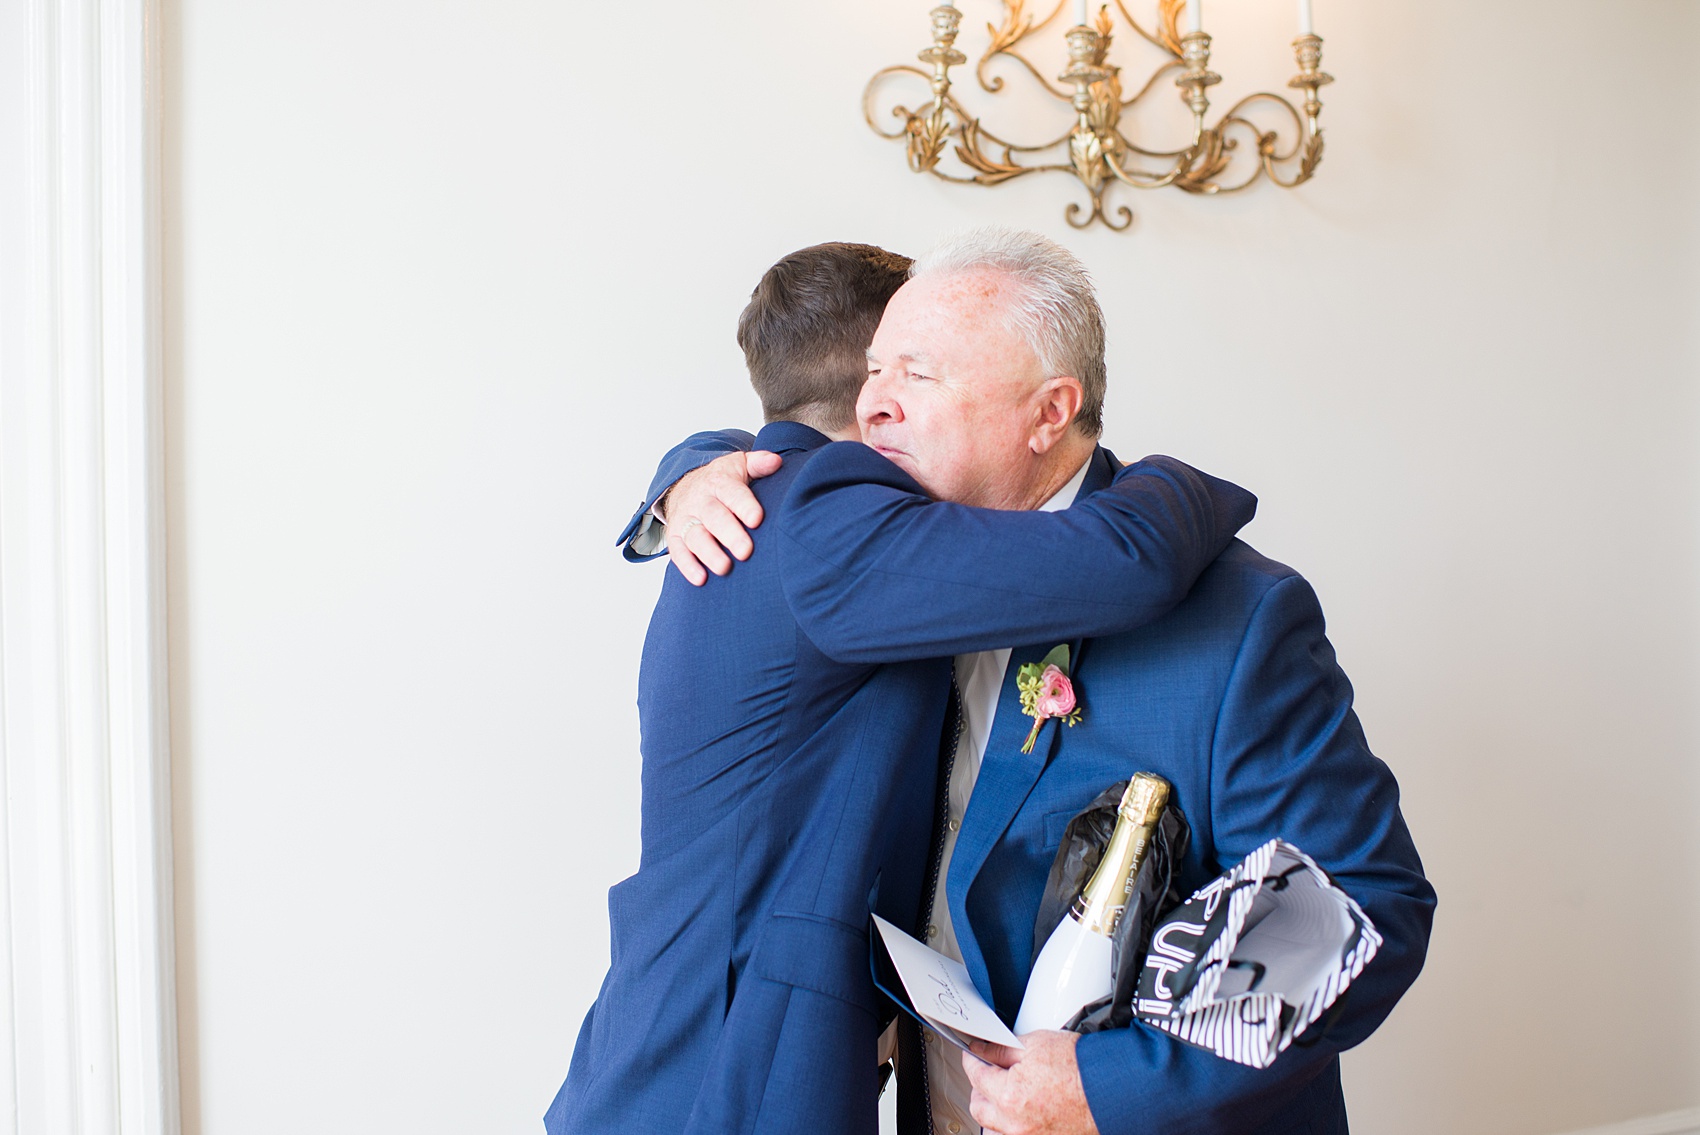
(1046, 692)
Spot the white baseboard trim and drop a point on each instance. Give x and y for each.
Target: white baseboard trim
(1684, 1122)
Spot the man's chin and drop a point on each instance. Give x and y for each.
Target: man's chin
(908, 464)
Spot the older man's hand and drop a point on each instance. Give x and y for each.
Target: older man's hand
(1030, 1091)
(708, 513)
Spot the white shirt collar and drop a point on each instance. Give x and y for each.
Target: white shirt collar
(1064, 496)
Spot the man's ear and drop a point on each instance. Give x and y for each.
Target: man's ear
(1056, 404)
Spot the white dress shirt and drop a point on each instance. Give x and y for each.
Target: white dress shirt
(979, 678)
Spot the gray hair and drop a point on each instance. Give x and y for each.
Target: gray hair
(1055, 307)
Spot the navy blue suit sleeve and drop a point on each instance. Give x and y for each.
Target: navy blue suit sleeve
(877, 571)
(1289, 760)
(686, 457)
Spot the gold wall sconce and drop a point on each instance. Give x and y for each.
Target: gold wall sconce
(1097, 148)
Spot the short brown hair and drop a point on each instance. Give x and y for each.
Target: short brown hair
(806, 331)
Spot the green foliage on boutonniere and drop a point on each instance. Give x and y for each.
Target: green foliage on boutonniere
(1046, 692)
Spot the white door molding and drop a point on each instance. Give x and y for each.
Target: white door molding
(87, 987)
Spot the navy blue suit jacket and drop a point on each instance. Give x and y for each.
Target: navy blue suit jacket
(1236, 698)
(789, 771)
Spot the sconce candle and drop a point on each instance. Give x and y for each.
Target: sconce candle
(1306, 24)
(1195, 16)
(1079, 12)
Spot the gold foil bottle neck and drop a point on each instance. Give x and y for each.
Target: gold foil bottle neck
(1144, 800)
(1100, 905)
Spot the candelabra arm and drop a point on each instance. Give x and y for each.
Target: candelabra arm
(1307, 49)
(927, 135)
(1086, 144)
(1311, 78)
(1182, 166)
(1196, 79)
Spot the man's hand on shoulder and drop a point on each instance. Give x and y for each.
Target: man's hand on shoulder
(709, 512)
(1034, 1090)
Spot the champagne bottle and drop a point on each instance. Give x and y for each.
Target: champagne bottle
(1074, 969)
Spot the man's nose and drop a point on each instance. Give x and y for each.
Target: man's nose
(876, 405)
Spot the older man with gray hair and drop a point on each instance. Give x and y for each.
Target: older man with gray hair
(985, 386)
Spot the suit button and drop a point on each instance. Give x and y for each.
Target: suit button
(953, 1127)
(954, 824)
(932, 931)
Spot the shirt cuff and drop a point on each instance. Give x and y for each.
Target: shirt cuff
(650, 539)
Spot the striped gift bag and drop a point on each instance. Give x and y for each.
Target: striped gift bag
(1252, 960)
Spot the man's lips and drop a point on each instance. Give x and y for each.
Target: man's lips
(887, 451)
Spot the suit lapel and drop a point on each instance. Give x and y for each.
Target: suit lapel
(1006, 777)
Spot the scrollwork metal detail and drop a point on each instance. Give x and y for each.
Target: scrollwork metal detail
(1096, 149)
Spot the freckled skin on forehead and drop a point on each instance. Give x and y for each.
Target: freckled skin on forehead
(950, 389)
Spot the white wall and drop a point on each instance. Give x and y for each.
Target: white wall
(444, 277)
